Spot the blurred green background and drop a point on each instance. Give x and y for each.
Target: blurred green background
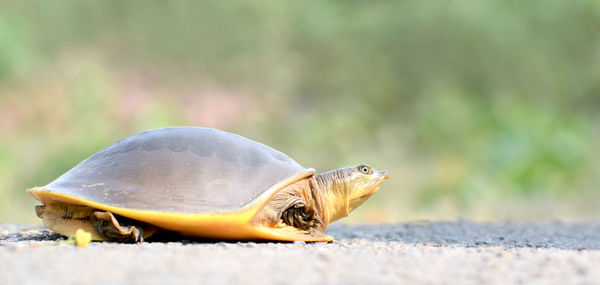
(485, 110)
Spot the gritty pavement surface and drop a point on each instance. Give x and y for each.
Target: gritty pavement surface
(415, 253)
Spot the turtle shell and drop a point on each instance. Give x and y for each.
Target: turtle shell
(187, 170)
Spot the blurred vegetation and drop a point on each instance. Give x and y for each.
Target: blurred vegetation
(479, 109)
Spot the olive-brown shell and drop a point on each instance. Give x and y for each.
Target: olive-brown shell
(178, 170)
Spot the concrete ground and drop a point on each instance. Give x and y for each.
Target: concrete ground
(415, 253)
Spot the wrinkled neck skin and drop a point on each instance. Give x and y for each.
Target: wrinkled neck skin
(331, 195)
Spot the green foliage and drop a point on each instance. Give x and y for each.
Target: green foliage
(466, 101)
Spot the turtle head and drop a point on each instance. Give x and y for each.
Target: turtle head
(347, 188)
(362, 182)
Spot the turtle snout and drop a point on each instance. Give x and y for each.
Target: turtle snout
(382, 176)
(385, 174)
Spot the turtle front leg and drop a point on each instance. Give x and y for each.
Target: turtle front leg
(302, 216)
(291, 214)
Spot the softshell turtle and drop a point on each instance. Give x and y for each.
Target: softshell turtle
(200, 182)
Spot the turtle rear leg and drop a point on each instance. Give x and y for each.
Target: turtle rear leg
(67, 219)
(122, 230)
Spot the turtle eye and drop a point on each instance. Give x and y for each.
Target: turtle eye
(365, 169)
